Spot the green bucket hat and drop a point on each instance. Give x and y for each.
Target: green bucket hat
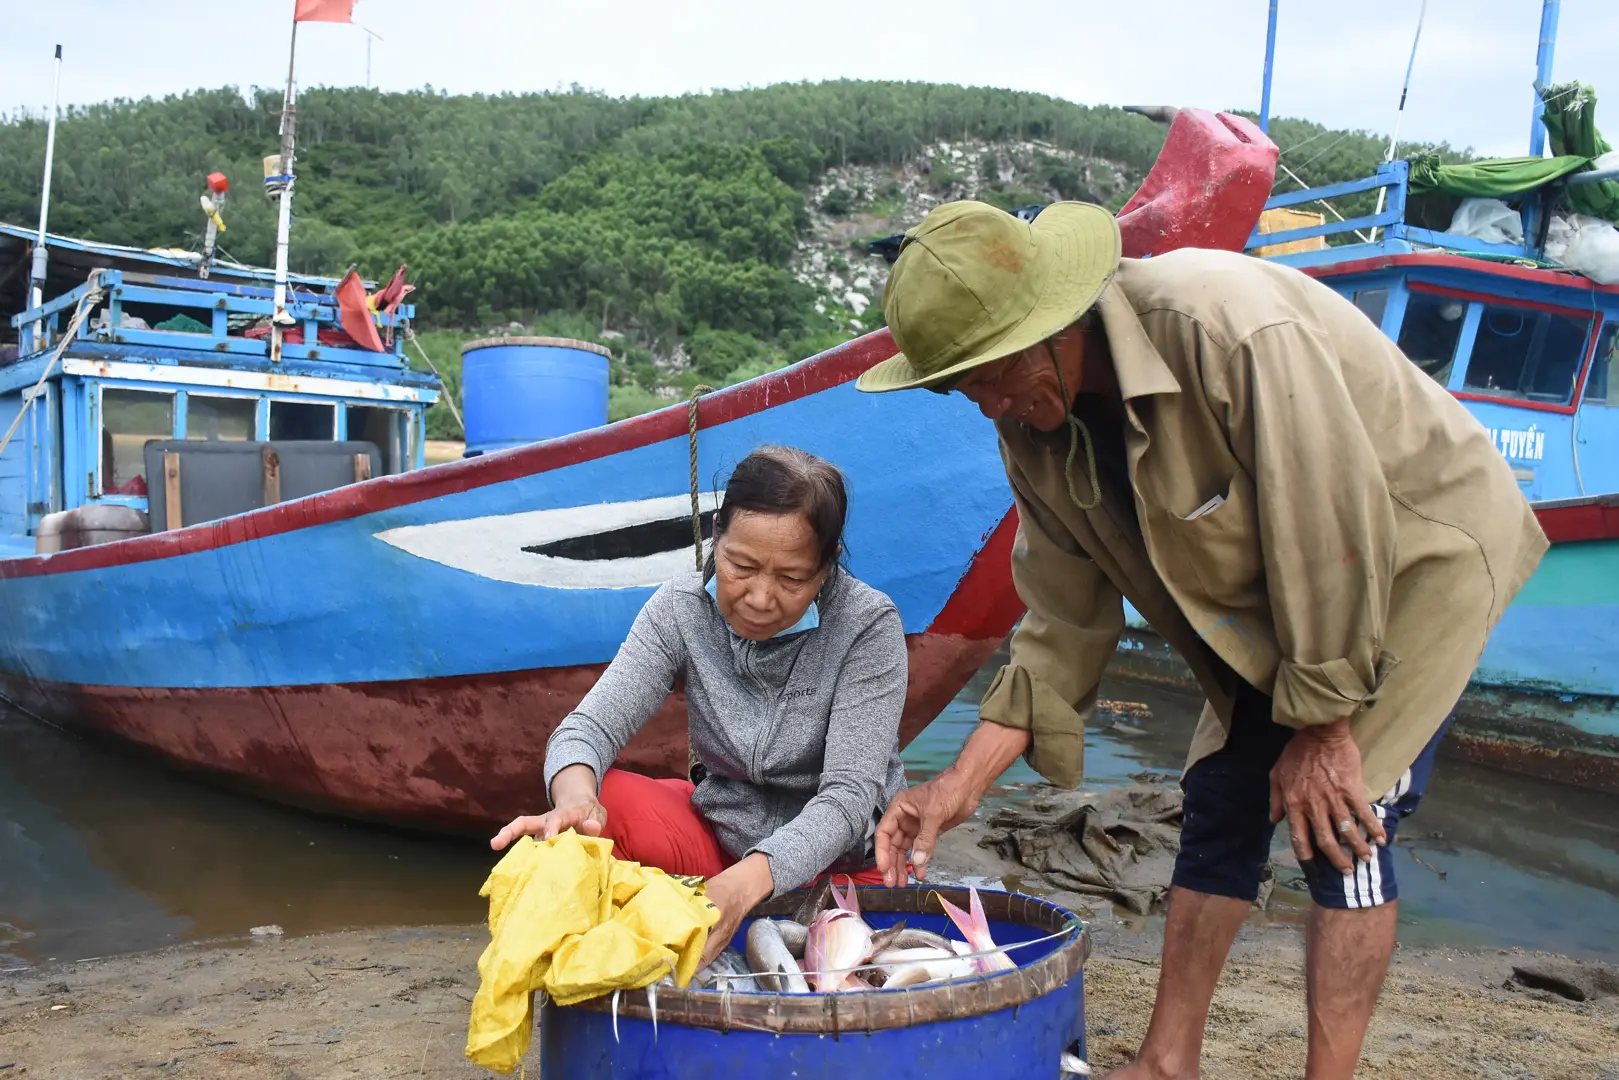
(973, 284)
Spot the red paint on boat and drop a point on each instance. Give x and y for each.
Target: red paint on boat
(1206, 189)
(1573, 520)
(449, 754)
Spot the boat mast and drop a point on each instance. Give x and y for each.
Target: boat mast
(283, 228)
(1399, 114)
(1543, 74)
(36, 295)
(1270, 60)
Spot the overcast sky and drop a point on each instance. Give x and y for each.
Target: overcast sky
(1338, 63)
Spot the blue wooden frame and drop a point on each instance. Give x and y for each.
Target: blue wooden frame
(220, 302)
(1396, 177)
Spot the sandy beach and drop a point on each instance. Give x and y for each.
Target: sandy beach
(394, 1003)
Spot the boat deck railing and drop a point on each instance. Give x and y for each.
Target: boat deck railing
(225, 308)
(1396, 234)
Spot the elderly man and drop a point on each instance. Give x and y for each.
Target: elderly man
(1323, 534)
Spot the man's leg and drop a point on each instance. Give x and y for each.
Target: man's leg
(1197, 937)
(1346, 956)
(1225, 844)
(1351, 934)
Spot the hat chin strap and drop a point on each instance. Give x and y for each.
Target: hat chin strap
(1076, 430)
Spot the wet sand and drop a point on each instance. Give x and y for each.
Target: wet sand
(395, 1003)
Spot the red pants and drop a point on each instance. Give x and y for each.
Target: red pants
(652, 822)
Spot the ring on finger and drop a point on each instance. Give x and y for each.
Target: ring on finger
(1346, 826)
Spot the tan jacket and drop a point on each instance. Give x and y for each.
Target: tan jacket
(1370, 537)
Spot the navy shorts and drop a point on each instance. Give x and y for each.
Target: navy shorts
(1226, 835)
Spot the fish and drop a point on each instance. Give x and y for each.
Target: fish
(975, 928)
(911, 967)
(900, 937)
(918, 938)
(793, 935)
(728, 967)
(768, 957)
(1070, 1064)
(838, 939)
(814, 902)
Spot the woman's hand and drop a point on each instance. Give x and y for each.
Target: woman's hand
(573, 792)
(588, 818)
(1316, 785)
(736, 891)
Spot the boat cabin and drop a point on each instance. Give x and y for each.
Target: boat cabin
(1525, 343)
(166, 408)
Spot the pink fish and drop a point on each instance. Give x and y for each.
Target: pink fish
(975, 928)
(838, 939)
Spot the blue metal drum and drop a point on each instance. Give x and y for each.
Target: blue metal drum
(521, 390)
(1011, 1025)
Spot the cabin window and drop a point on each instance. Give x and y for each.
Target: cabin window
(220, 419)
(1596, 386)
(1525, 353)
(129, 420)
(302, 420)
(1373, 302)
(389, 429)
(1430, 331)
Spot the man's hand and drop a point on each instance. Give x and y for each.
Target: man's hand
(914, 820)
(736, 890)
(1317, 785)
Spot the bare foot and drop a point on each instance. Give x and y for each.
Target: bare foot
(1140, 1070)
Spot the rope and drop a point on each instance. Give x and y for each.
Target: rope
(1076, 428)
(696, 513)
(86, 302)
(696, 532)
(449, 398)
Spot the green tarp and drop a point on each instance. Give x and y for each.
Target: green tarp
(1496, 179)
(1570, 117)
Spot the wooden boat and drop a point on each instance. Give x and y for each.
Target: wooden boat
(399, 647)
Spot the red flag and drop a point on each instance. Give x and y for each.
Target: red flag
(354, 313)
(323, 11)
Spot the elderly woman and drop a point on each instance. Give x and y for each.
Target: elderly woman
(794, 674)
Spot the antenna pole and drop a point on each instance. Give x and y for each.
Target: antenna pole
(1543, 74)
(1270, 60)
(36, 294)
(283, 228)
(1405, 88)
(369, 35)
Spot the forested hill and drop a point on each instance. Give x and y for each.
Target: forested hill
(703, 237)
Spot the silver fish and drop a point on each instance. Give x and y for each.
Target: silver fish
(918, 938)
(1069, 1064)
(910, 967)
(793, 935)
(728, 967)
(772, 962)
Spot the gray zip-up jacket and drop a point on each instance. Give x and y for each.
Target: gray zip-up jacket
(798, 735)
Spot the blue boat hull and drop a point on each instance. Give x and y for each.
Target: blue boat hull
(399, 649)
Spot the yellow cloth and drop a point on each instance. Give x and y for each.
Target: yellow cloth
(568, 919)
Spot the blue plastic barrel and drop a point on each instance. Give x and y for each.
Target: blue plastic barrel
(1012, 1025)
(520, 390)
